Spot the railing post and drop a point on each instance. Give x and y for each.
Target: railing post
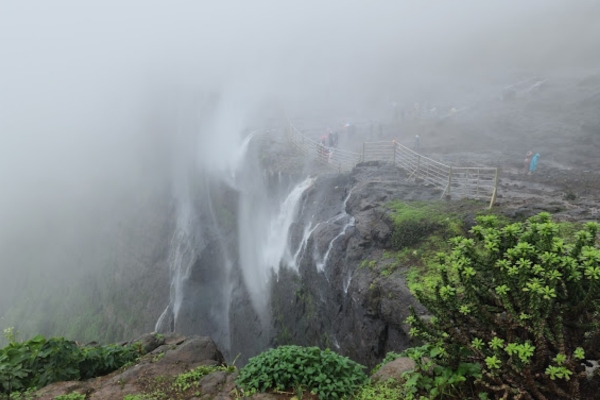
(448, 192)
(362, 159)
(417, 168)
(394, 150)
(477, 192)
(494, 193)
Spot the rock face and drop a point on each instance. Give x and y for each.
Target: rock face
(330, 301)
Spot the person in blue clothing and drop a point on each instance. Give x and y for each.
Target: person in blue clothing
(533, 164)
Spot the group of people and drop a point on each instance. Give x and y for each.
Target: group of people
(327, 143)
(420, 111)
(332, 138)
(530, 163)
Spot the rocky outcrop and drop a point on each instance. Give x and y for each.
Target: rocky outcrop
(167, 356)
(172, 356)
(328, 300)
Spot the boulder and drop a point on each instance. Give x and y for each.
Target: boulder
(195, 350)
(394, 369)
(150, 341)
(212, 384)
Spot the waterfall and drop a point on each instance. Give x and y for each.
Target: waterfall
(182, 246)
(308, 230)
(203, 284)
(323, 263)
(278, 239)
(264, 240)
(181, 256)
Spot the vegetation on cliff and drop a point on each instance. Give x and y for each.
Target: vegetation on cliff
(520, 302)
(324, 373)
(39, 361)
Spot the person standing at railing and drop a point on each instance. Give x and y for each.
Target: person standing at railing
(417, 144)
(322, 149)
(527, 162)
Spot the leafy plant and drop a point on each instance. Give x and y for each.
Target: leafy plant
(192, 378)
(324, 373)
(135, 397)
(40, 361)
(182, 386)
(380, 391)
(10, 334)
(71, 396)
(430, 379)
(519, 301)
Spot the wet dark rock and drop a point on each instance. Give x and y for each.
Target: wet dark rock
(346, 307)
(212, 384)
(162, 349)
(150, 341)
(194, 350)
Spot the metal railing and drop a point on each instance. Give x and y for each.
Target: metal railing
(341, 160)
(480, 183)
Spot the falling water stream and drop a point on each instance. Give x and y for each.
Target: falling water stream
(323, 263)
(262, 231)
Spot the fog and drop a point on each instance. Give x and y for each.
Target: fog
(85, 88)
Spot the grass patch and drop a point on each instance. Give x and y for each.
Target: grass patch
(416, 221)
(380, 391)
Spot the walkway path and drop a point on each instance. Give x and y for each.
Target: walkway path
(455, 182)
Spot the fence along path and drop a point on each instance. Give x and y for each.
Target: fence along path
(480, 183)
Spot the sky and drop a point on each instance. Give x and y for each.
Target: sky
(84, 86)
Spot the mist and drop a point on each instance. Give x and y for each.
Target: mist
(89, 95)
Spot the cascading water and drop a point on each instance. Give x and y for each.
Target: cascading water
(264, 248)
(182, 247)
(180, 259)
(277, 245)
(308, 231)
(323, 263)
(231, 232)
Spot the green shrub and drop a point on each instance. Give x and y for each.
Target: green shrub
(324, 373)
(434, 379)
(522, 303)
(430, 379)
(415, 221)
(40, 361)
(191, 379)
(380, 391)
(71, 396)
